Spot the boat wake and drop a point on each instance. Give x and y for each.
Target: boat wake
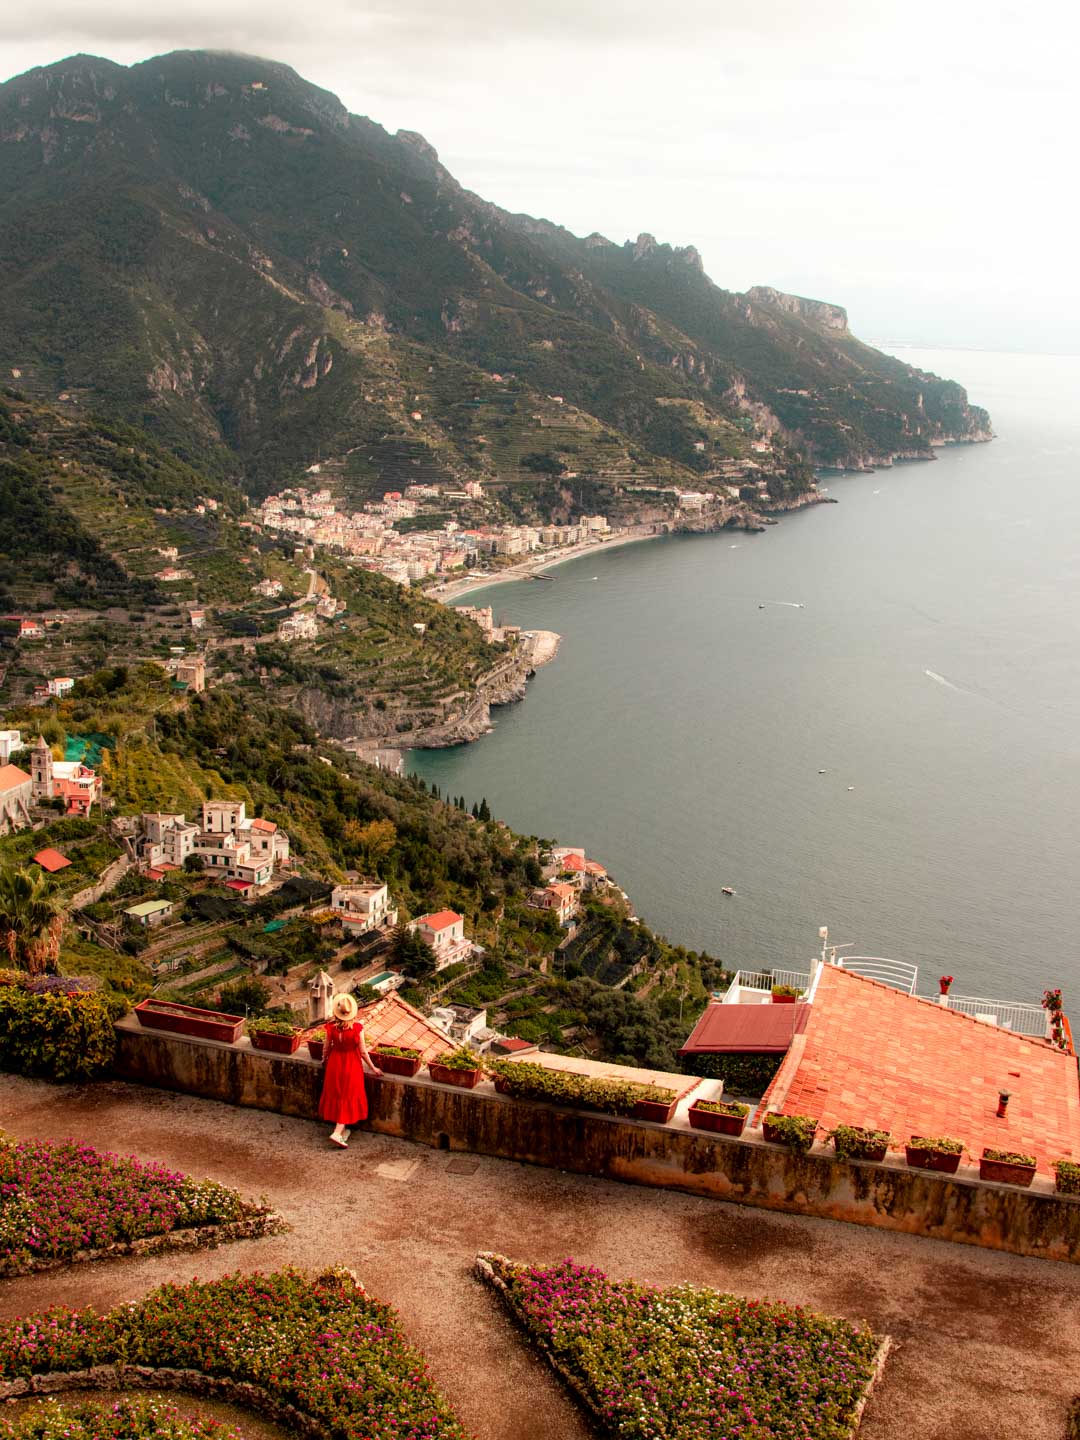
(940, 680)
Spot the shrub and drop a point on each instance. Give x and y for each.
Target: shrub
(273, 1025)
(1008, 1157)
(741, 1074)
(321, 1345)
(686, 1363)
(795, 1131)
(402, 1051)
(786, 990)
(1068, 1177)
(56, 1036)
(126, 1418)
(526, 1080)
(939, 1144)
(723, 1107)
(855, 1142)
(460, 1059)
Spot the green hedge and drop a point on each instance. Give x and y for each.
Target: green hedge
(526, 1080)
(741, 1074)
(56, 1036)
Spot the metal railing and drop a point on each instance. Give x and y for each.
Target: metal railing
(897, 973)
(764, 980)
(1022, 1018)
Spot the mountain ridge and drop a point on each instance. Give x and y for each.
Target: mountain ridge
(220, 252)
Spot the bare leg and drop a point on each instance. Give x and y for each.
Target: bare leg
(339, 1136)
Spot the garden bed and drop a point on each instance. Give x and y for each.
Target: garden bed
(319, 1356)
(126, 1418)
(65, 1203)
(687, 1362)
(526, 1080)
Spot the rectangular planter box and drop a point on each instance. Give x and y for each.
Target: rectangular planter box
(657, 1110)
(277, 1044)
(939, 1160)
(187, 1020)
(718, 1124)
(397, 1064)
(876, 1154)
(773, 1136)
(1002, 1173)
(784, 999)
(315, 1047)
(463, 1079)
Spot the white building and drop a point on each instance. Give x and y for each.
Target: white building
(363, 907)
(10, 741)
(298, 627)
(445, 933)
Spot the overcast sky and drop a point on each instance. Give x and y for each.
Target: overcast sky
(913, 161)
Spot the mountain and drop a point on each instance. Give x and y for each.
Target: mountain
(215, 250)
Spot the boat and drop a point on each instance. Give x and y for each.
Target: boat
(726, 890)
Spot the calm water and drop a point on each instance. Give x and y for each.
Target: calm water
(932, 666)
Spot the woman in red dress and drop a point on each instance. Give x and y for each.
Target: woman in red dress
(346, 1058)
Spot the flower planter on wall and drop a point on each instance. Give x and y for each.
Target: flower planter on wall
(407, 1065)
(1004, 1172)
(463, 1079)
(188, 1020)
(718, 1124)
(940, 1160)
(276, 1044)
(659, 1111)
(784, 999)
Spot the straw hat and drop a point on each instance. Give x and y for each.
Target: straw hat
(344, 1008)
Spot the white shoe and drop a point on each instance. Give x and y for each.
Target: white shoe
(341, 1142)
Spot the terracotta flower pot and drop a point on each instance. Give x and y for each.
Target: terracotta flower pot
(658, 1110)
(276, 1044)
(315, 1046)
(463, 1079)
(187, 1020)
(940, 1160)
(1002, 1172)
(719, 1124)
(502, 1085)
(784, 999)
(407, 1065)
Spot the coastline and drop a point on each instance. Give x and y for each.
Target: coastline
(537, 565)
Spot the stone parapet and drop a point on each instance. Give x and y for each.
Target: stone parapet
(888, 1196)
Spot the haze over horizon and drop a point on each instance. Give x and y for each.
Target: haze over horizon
(906, 164)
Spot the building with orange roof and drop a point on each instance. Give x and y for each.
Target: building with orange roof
(16, 792)
(864, 1053)
(560, 898)
(445, 933)
(393, 1021)
(51, 860)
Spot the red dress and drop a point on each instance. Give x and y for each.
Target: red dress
(343, 1099)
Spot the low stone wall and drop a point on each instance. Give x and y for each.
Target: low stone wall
(889, 1196)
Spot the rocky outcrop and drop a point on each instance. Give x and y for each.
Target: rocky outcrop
(814, 312)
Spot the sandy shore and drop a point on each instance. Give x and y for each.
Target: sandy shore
(536, 565)
(545, 646)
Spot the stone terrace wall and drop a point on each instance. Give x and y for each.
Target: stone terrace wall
(889, 1196)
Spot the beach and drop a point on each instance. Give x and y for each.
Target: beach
(537, 564)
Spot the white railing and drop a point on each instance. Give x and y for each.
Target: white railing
(761, 982)
(897, 973)
(1018, 1016)
(799, 979)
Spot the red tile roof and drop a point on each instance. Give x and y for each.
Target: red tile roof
(267, 826)
(873, 1056)
(573, 862)
(51, 860)
(393, 1021)
(745, 1029)
(238, 884)
(593, 867)
(564, 892)
(11, 777)
(441, 920)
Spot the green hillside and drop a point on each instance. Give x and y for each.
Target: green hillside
(215, 249)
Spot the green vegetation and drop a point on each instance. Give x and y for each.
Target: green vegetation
(795, 1131)
(856, 1142)
(30, 921)
(526, 1080)
(56, 1035)
(741, 1074)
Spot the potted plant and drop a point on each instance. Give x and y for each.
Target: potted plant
(795, 1131)
(655, 1103)
(278, 1034)
(785, 994)
(398, 1059)
(316, 1044)
(855, 1142)
(459, 1067)
(1007, 1167)
(1067, 1174)
(723, 1117)
(945, 982)
(188, 1020)
(934, 1152)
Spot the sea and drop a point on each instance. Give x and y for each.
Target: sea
(866, 718)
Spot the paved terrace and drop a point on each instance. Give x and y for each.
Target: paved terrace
(987, 1344)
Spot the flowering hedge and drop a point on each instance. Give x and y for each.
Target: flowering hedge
(64, 1202)
(685, 1363)
(123, 1419)
(321, 1346)
(56, 1035)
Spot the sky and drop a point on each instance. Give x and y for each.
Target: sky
(911, 161)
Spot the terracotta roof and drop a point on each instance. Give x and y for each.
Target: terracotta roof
(393, 1021)
(573, 862)
(513, 1043)
(11, 777)
(51, 860)
(238, 884)
(267, 825)
(873, 1056)
(593, 867)
(745, 1029)
(564, 892)
(441, 920)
